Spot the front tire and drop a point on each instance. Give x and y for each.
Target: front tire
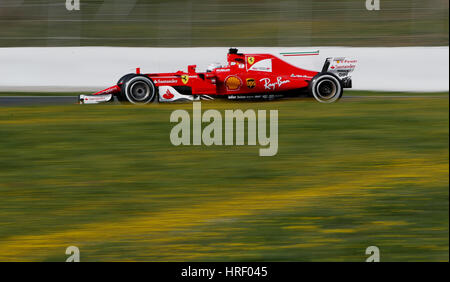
(139, 90)
(326, 88)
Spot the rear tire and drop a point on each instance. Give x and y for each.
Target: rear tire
(326, 88)
(139, 89)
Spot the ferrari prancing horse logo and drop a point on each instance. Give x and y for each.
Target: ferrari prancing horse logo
(251, 60)
(185, 79)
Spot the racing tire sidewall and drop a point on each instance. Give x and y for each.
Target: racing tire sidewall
(330, 78)
(144, 81)
(121, 95)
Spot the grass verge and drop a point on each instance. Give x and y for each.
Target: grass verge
(107, 179)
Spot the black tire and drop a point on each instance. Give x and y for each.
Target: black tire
(326, 88)
(121, 97)
(125, 78)
(138, 89)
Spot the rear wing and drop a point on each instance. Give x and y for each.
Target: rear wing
(341, 67)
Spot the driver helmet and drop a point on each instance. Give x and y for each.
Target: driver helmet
(213, 67)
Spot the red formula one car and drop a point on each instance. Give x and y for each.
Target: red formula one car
(246, 76)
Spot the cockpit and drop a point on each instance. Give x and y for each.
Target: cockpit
(214, 66)
(234, 58)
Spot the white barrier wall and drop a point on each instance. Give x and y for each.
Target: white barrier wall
(423, 69)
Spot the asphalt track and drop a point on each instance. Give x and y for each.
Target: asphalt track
(67, 100)
(37, 100)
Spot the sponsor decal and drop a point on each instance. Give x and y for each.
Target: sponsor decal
(110, 90)
(185, 79)
(343, 73)
(222, 70)
(233, 83)
(251, 60)
(168, 95)
(168, 81)
(269, 85)
(343, 67)
(95, 99)
(251, 83)
(98, 98)
(300, 76)
(255, 97)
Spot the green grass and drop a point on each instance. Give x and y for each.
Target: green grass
(106, 178)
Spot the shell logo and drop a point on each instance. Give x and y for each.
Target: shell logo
(233, 83)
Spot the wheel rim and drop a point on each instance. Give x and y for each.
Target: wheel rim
(326, 89)
(139, 91)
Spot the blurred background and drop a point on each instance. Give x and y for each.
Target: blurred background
(372, 170)
(186, 23)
